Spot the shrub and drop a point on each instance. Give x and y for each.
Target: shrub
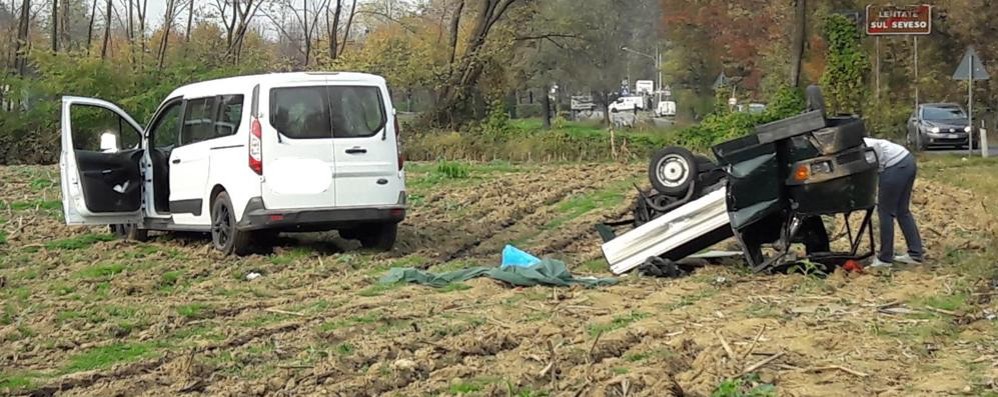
(452, 170)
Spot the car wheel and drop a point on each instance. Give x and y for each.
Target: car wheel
(380, 237)
(672, 170)
(225, 236)
(130, 232)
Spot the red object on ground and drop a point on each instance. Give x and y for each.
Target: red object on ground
(853, 266)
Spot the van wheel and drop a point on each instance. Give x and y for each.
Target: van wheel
(379, 237)
(225, 236)
(130, 232)
(672, 170)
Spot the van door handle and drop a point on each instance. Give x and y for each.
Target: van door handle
(176, 161)
(356, 150)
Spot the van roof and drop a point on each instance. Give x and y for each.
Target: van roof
(220, 85)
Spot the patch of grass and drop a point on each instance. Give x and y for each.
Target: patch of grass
(290, 256)
(193, 310)
(471, 385)
(329, 326)
(78, 242)
(595, 266)
(345, 349)
(379, 289)
(452, 170)
(577, 206)
(618, 322)
(170, 278)
(946, 302)
(688, 300)
(61, 288)
(106, 356)
(102, 271)
(48, 205)
(39, 184)
(453, 287)
(3, 237)
(67, 315)
(741, 388)
(18, 380)
(758, 310)
(621, 370)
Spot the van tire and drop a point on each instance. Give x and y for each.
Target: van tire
(130, 232)
(672, 170)
(380, 237)
(225, 236)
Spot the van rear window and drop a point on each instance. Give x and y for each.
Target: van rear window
(327, 111)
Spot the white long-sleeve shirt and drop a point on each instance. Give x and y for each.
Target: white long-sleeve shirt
(888, 153)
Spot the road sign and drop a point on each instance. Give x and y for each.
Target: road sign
(963, 72)
(898, 20)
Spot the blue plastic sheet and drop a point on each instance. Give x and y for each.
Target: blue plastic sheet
(512, 256)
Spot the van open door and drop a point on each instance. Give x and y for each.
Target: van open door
(99, 163)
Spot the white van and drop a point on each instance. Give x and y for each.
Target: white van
(627, 103)
(243, 158)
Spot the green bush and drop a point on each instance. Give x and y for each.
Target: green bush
(452, 170)
(886, 119)
(529, 110)
(723, 126)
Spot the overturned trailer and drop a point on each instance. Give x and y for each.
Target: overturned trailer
(770, 188)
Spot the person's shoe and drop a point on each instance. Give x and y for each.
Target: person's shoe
(879, 264)
(907, 259)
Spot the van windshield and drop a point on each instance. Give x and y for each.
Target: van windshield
(327, 111)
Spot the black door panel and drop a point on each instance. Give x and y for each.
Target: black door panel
(161, 177)
(111, 182)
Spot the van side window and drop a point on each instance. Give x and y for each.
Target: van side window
(300, 112)
(198, 122)
(230, 113)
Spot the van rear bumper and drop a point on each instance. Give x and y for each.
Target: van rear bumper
(258, 217)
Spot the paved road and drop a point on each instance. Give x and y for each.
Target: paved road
(992, 152)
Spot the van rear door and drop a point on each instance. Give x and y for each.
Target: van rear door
(297, 146)
(368, 168)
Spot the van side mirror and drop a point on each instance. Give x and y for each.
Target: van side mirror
(109, 142)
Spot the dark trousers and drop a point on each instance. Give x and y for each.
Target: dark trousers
(893, 202)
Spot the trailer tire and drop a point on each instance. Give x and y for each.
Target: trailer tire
(672, 170)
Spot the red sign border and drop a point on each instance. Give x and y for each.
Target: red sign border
(867, 20)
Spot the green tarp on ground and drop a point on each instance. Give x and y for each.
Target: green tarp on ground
(548, 272)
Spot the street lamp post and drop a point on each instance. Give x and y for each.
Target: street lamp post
(657, 59)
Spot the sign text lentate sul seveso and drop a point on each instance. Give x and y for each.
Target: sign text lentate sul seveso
(898, 20)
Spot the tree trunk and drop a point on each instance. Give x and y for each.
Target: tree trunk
(334, 30)
(107, 31)
(65, 39)
(55, 25)
(90, 27)
(346, 33)
(168, 19)
(455, 25)
(190, 21)
(546, 107)
(797, 50)
(308, 35)
(20, 48)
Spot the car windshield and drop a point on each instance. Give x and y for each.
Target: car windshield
(943, 113)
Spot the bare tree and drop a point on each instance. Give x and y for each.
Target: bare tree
(169, 17)
(190, 20)
(346, 32)
(107, 31)
(55, 25)
(455, 25)
(20, 47)
(797, 47)
(64, 25)
(90, 27)
(333, 29)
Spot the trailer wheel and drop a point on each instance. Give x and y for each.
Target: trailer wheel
(672, 170)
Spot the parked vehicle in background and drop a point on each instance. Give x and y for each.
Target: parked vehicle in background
(934, 125)
(666, 109)
(242, 158)
(627, 103)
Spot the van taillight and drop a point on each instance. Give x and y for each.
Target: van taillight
(256, 147)
(398, 143)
